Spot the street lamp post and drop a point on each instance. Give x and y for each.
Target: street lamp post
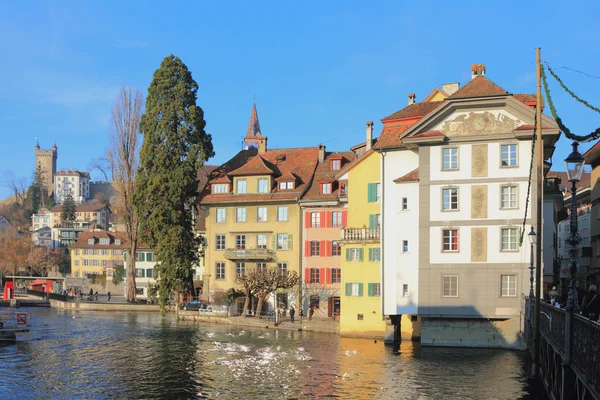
(532, 239)
(574, 163)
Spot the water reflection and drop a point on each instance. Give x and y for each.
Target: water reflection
(126, 355)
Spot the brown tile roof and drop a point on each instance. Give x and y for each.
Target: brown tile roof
(71, 172)
(478, 87)
(525, 98)
(412, 176)
(287, 176)
(88, 207)
(414, 110)
(324, 173)
(82, 240)
(585, 182)
(256, 166)
(299, 161)
(390, 135)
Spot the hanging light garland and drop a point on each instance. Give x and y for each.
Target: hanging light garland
(533, 140)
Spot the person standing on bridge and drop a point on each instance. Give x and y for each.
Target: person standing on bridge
(590, 307)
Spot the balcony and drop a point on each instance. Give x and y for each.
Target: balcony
(361, 235)
(250, 254)
(343, 197)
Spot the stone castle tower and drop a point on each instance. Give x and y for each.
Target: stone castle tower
(47, 159)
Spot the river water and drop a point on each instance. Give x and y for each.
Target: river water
(96, 355)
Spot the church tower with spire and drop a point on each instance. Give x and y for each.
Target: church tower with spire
(254, 137)
(47, 160)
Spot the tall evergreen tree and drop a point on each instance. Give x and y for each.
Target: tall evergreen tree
(68, 209)
(174, 146)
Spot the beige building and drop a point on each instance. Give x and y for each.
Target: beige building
(97, 253)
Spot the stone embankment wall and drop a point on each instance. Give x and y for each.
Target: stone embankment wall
(91, 306)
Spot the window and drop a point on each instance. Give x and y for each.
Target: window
(449, 158)
(149, 273)
(139, 273)
(450, 199)
(336, 219)
(509, 155)
(262, 214)
(240, 241)
(405, 290)
(354, 254)
(509, 197)
(139, 291)
(263, 186)
(282, 267)
(509, 239)
(336, 249)
(220, 188)
(104, 241)
(315, 275)
(261, 241)
(282, 213)
(104, 252)
(240, 214)
(286, 185)
(139, 256)
(315, 301)
(95, 252)
(220, 242)
(220, 215)
(104, 263)
(374, 289)
(374, 192)
(450, 283)
(360, 317)
(450, 240)
(241, 186)
(86, 252)
(315, 219)
(240, 269)
(508, 286)
(150, 257)
(336, 165)
(405, 246)
(91, 241)
(220, 270)
(336, 275)
(375, 254)
(261, 267)
(315, 248)
(354, 289)
(375, 221)
(85, 261)
(325, 188)
(404, 203)
(76, 263)
(77, 252)
(284, 241)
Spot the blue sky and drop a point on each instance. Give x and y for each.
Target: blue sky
(319, 70)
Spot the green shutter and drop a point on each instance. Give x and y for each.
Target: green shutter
(348, 289)
(360, 287)
(372, 223)
(361, 254)
(290, 241)
(371, 254)
(274, 242)
(370, 289)
(378, 254)
(371, 193)
(348, 254)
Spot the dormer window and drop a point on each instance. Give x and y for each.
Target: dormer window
(241, 186)
(104, 241)
(326, 188)
(220, 188)
(118, 242)
(336, 164)
(286, 185)
(91, 241)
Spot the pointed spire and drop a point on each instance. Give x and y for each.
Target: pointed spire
(253, 126)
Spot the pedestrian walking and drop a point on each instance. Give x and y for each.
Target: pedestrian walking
(108, 295)
(96, 295)
(292, 313)
(311, 311)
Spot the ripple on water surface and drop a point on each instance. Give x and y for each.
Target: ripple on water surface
(128, 355)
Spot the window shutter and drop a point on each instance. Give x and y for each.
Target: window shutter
(361, 254)
(371, 193)
(347, 254)
(328, 276)
(360, 289)
(322, 278)
(370, 256)
(344, 218)
(307, 275)
(322, 248)
(307, 248)
(327, 216)
(324, 219)
(290, 242)
(370, 289)
(274, 241)
(328, 248)
(348, 289)
(307, 220)
(372, 221)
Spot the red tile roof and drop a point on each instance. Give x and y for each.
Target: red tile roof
(478, 87)
(324, 173)
(256, 166)
(525, 98)
(414, 110)
(412, 176)
(585, 182)
(82, 240)
(390, 135)
(298, 161)
(287, 176)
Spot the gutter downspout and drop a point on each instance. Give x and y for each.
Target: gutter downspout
(381, 233)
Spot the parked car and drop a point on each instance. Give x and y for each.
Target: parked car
(192, 305)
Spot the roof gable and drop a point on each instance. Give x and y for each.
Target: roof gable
(256, 166)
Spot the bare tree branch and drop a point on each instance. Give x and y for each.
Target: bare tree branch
(101, 164)
(18, 185)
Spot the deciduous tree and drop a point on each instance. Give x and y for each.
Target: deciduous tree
(13, 253)
(175, 145)
(123, 159)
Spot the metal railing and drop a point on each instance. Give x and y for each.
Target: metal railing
(360, 234)
(250, 254)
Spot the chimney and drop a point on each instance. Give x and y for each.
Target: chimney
(450, 88)
(477, 70)
(369, 141)
(412, 98)
(262, 146)
(321, 153)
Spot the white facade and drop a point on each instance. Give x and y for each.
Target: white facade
(74, 182)
(41, 220)
(400, 268)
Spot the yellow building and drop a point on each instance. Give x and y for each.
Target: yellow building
(361, 252)
(252, 214)
(97, 253)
